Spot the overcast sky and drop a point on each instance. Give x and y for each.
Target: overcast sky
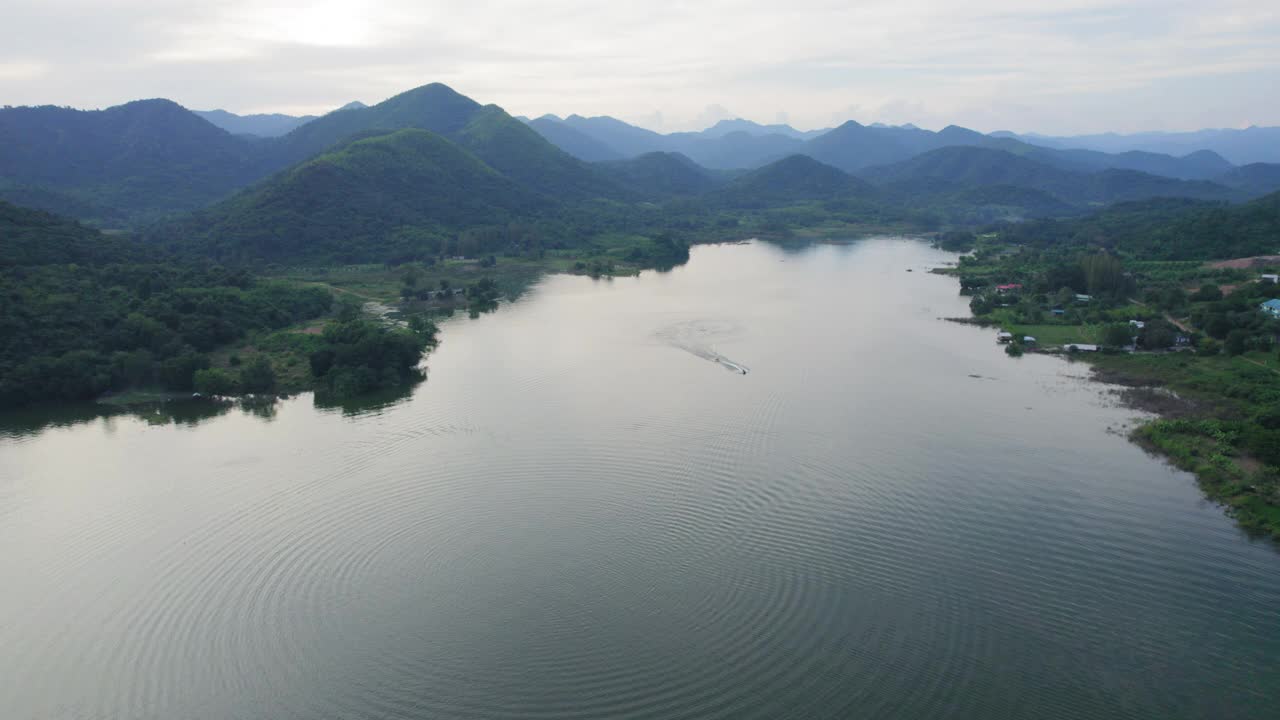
(1056, 67)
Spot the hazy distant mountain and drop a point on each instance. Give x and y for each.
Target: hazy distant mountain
(263, 125)
(724, 127)
(722, 147)
(1254, 180)
(1200, 165)
(1251, 145)
(576, 143)
(967, 166)
(850, 147)
(735, 150)
(628, 140)
(144, 157)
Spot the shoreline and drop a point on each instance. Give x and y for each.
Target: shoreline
(1187, 433)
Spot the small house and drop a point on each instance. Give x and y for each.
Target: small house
(1028, 340)
(1009, 288)
(1138, 324)
(1083, 298)
(1273, 279)
(1058, 311)
(1004, 336)
(1271, 307)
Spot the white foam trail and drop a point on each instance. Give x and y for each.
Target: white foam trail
(693, 337)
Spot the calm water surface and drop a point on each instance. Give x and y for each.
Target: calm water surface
(589, 511)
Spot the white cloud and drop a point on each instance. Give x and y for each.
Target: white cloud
(985, 63)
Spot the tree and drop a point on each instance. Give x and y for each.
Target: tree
(1218, 326)
(1157, 336)
(1207, 293)
(1103, 274)
(1237, 341)
(1117, 335)
(257, 376)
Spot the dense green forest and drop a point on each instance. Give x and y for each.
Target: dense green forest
(86, 313)
(73, 332)
(1165, 229)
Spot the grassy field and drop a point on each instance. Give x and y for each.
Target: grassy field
(1051, 335)
(1244, 384)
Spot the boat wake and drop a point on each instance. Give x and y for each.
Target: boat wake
(695, 337)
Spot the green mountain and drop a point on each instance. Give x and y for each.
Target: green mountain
(433, 107)
(150, 158)
(660, 175)
(378, 197)
(520, 153)
(143, 158)
(506, 144)
(794, 179)
(853, 146)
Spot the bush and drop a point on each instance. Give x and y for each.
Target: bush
(215, 381)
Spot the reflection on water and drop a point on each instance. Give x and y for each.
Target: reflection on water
(31, 421)
(368, 403)
(579, 517)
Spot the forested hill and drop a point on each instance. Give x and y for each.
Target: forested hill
(1169, 229)
(433, 107)
(487, 131)
(399, 194)
(793, 179)
(661, 175)
(34, 237)
(144, 158)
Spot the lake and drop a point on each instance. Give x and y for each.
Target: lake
(771, 483)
